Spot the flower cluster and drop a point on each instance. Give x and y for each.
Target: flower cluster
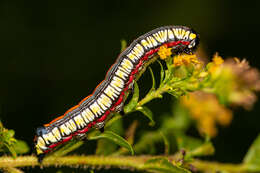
(217, 85)
(234, 81)
(164, 52)
(206, 110)
(185, 60)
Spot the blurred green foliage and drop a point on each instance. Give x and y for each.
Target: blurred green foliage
(8, 144)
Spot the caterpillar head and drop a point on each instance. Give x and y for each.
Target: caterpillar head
(194, 42)
(40, 145)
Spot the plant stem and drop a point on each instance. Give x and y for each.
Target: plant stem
(153, 94)
(215, 166)
(121, 162)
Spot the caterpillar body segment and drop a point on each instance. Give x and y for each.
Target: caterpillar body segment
(109, 95)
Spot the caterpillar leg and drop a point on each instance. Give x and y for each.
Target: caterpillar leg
(40, 158)
(120, 108)
(100, 126)
(131, 86)
(81, 136)
(102, 129)
(178, 49)
(122, 112)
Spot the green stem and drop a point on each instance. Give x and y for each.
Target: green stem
(153, 94)
(121, 162)
(215, 166)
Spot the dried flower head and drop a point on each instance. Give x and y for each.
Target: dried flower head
(235, 81)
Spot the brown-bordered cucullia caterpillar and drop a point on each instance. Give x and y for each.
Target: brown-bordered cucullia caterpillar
(109, 94)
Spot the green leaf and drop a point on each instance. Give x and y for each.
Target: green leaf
(153, 79)
(10, 149)
(21, 147)
(123, 45)
(162, 72)
(134, 100)
(7, 140)
(148, 113)
(104, 146)
(194, 146)
(204, 150)
(9, 134)
(115, 118)
(162, 165)
(114, 138)
(252, 158)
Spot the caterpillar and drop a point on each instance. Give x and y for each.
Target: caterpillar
(109, 95)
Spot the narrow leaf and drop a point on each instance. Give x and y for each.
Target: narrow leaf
(166, 144)
(104, 146)
(252, 158)
(116, 117)
(194, 146)
(129, 136)
(204, 150)
(114, 138)
(153, 79)
(134, 100)
(162, 72)
(148, 113)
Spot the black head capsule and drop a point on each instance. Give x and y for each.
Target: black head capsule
(40, 131)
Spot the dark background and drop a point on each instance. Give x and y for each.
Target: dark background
(53, 54)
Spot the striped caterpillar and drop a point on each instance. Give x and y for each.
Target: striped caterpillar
(109, 95)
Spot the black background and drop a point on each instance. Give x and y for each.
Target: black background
(53, 54)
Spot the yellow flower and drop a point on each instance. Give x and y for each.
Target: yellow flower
(217, 60)
(216, 63)
(184, 59)
(205, 109)
(207, 126)
(164, 52)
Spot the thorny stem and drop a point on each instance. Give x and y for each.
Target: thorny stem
(106, 162)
